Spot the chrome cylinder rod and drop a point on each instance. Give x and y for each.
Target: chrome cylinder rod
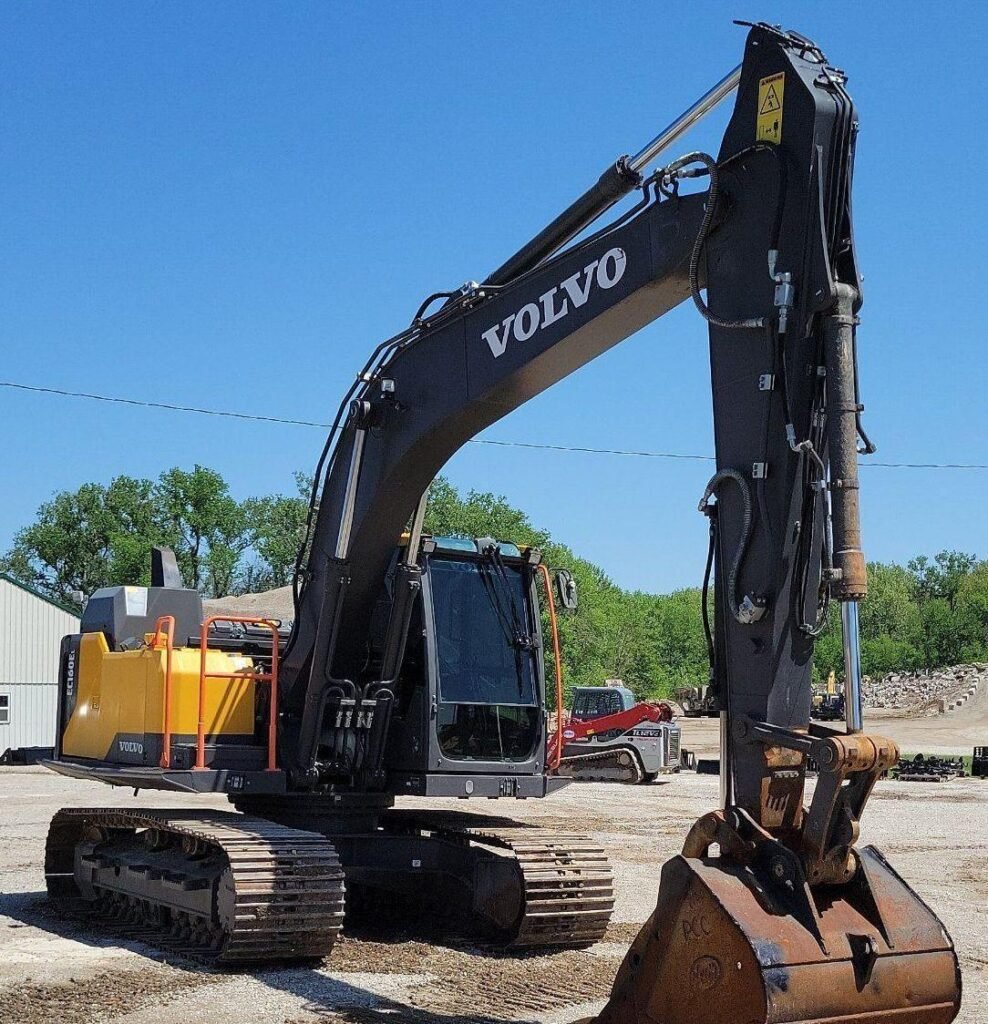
(726, 762)
(622, 177)
(853, 712)
(350, 494)
(686, 120)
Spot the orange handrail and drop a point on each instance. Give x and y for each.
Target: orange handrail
(559, 666)
(263, 677)
(168, 623)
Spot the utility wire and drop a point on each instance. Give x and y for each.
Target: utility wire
(592, 451)
(159, 405)
(476, 440)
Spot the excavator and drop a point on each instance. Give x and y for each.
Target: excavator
(413, 666)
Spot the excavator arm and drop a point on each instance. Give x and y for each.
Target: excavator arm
(484, 354)
(771, 913)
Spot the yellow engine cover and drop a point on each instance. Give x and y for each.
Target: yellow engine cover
(119, 715)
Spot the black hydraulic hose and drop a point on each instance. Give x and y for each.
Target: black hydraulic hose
(869, 448)
(734, 573)
(675, 169)
(429, 301)
(708, 633)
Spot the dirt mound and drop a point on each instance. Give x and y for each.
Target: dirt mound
(271, 604)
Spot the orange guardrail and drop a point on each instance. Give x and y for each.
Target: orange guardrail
(165, 627)
(262, 677)
(558, 753)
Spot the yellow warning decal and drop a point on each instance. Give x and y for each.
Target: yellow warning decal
(768, 124)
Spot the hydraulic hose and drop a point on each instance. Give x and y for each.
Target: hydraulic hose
(675, 170)
(734, 573)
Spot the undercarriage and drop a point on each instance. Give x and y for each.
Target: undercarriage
(241, 889)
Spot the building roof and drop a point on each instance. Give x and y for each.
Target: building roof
(13, 581)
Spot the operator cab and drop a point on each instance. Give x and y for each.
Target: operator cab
(590, 702)
(471, 697)
(488, 687)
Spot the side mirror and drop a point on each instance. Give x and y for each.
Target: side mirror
(566, 589)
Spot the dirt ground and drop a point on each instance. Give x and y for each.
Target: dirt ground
(934, 835)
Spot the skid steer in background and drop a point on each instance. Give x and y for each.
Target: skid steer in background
(609, 737)
(414, 670)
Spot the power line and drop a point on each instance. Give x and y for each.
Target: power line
(591, 451)
(115, 400)
(159, 405)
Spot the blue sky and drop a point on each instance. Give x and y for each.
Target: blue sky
(229, 204)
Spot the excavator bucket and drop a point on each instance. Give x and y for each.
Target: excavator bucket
(726, 946)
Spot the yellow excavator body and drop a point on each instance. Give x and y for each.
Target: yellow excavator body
(119, 709)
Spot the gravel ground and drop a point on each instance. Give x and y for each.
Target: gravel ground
(50, 971)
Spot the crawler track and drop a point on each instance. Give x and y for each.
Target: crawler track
(227, 887)
(614, 764)
(566, 881)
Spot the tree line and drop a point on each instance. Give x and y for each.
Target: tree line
(929, 613)
(102, 534)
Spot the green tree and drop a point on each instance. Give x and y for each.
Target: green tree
(89, 538)
(206, 527)
(679, 639)
(941, 578)
(891, 622)
(277, 528)
(930, 614)
(480, 514)
(828, 654)
(890, 607)
(972, 614)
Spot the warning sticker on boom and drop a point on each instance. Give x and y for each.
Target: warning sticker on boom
(768, 124)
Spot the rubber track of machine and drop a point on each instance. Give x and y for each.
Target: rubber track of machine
(287, 883)
(587, 767)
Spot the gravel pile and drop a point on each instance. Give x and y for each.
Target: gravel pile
(916, 690)
(271, 604)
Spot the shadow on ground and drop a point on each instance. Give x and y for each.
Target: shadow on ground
(318, 991)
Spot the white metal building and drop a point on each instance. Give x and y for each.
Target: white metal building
(31, 630)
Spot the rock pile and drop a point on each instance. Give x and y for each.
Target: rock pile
(934, 690)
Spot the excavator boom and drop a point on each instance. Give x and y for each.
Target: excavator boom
(789, 921)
